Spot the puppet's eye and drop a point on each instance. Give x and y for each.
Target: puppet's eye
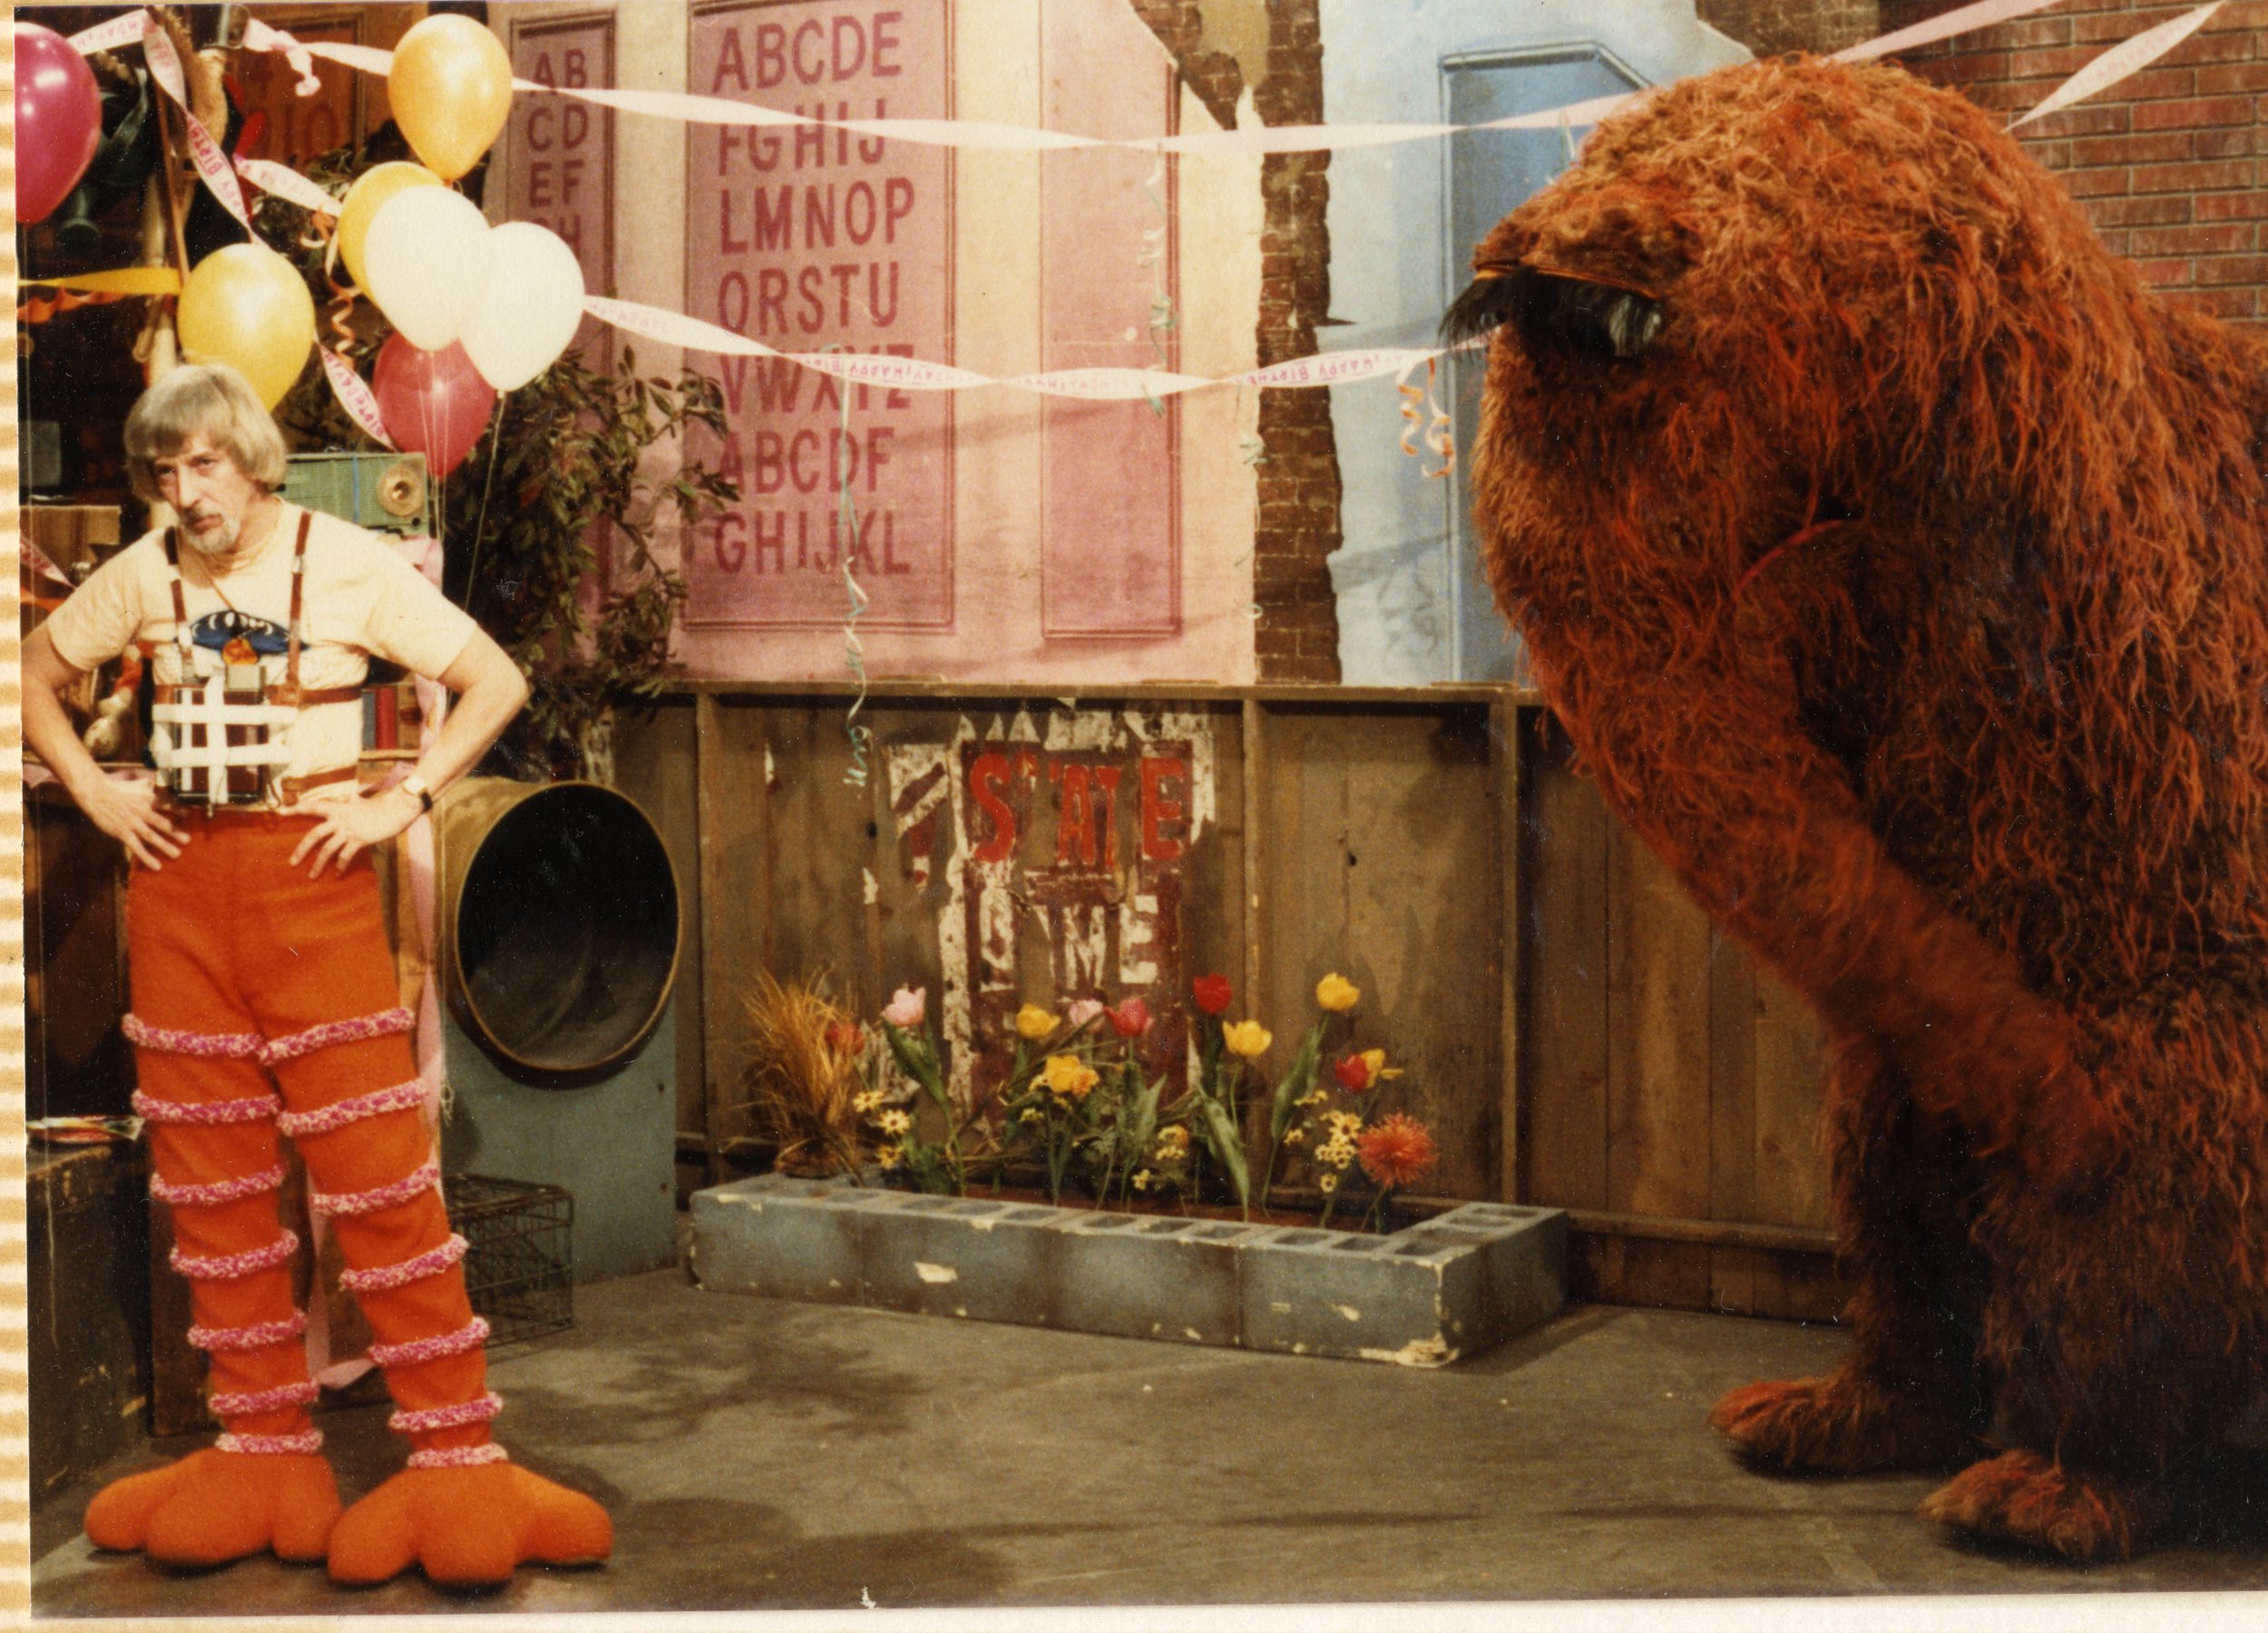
(1595, 320)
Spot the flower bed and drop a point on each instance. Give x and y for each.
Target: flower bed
(1423, 1296)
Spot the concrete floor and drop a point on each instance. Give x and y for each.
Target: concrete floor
(757, 1455)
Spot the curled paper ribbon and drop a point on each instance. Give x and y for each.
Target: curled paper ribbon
(1436, 433)
(854, 649)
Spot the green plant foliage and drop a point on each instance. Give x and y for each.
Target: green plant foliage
(565, 464)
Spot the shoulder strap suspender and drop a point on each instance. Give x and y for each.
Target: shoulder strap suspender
(181, 608)
(299, 577)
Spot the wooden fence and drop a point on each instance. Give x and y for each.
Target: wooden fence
(1570, 1026)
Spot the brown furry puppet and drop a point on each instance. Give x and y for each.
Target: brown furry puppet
(1896, 562)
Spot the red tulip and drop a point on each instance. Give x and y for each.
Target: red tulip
(1213, 994)
(1130, 1019)
(1352, 1073)
(845, 1037)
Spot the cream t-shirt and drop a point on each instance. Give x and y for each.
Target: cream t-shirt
(360, 601)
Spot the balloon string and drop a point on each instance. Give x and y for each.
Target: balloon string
(488, 486)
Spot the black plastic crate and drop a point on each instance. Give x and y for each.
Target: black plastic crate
(520, 1258)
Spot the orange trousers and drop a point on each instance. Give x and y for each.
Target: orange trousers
(265, 1005)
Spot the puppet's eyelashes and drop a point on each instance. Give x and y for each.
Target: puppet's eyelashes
(1552, 309)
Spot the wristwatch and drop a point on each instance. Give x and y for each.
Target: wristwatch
(414, 787)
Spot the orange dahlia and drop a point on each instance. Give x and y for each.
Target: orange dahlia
(1396, 1150)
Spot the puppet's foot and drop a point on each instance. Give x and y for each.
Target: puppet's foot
(1838, 1424)
(2022, 1498)
(215, 1506)
(467, 1527)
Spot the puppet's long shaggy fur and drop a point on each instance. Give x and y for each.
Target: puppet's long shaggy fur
(1898, 563)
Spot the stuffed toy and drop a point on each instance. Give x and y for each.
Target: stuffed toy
(1896, 562)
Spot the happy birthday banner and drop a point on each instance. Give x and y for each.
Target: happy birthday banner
(980, 135)
(912, 374)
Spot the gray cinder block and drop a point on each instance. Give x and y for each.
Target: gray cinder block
(1525, 1263)
(1413, 1298)
(791, 1238)
(1421, 1297)
(1149, 1278)
(968, 1257)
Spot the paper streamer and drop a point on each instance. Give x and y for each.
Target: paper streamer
(355, 396)
(259, 36)
(1090, 384)
(114, 34)
(1982, 14)
(2120, 60)
(286, 183)
(694, 109)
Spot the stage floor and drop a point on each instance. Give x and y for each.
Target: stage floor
(758, 1455)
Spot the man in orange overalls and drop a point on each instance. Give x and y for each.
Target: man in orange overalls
(265, 1000)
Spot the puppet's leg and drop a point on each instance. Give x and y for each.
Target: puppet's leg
(1910, 1395)
(2126, 1327)
(329, 1005)
(212, 1113)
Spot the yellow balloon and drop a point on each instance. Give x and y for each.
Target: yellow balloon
(451, 86)
(369, 193)
(246, 307)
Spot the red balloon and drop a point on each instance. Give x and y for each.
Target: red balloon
(58, 120)
(433, 402)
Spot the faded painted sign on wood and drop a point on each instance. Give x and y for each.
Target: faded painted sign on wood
(1063, 846)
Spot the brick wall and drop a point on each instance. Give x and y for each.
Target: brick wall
(1298, 634)
(2172, 164)
(1769, 27)
(2169, 165)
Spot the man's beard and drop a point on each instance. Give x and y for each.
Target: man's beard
(212, 542)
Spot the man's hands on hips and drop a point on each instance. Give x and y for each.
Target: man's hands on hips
(127, 810)
(350, 826)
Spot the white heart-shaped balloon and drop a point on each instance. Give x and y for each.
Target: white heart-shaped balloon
(427, 253)
(532, 308)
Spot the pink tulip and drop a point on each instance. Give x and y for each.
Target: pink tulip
(907, 1008)
(1130, 1019)
(1084, 1010)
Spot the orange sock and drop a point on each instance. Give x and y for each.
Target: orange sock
(211, 1116)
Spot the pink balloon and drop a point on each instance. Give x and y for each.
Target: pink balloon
(433, 402)
(58, 120)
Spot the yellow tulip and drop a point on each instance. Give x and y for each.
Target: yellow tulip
(1337, 994)
(1067, 1077)
(1032, 1023)
(1248, 1037)
(1376, 1059)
